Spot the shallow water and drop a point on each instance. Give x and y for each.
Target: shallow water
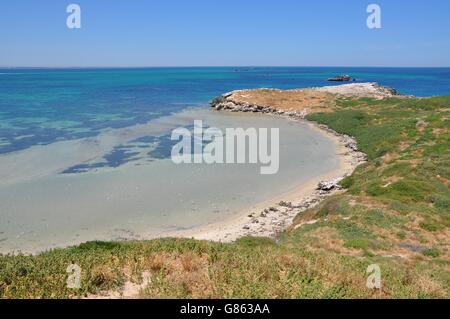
(147, 196)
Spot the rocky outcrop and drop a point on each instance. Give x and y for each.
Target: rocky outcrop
(227, 103)
(298, 103)
(327, 186)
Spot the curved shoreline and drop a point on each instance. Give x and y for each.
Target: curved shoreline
(273, 216)
(99, 198)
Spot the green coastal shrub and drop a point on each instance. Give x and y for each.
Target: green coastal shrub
(431, 252)
(430, 226)
(253, 242)
(347, 182)
(441, 202)
(375, 189)
(412, 190)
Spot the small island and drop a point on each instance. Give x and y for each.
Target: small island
(341, 78)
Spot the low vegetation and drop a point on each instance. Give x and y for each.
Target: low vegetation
(394, 212)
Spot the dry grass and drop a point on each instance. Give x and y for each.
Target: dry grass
(288, 100)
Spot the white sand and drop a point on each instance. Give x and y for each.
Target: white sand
(273, 222)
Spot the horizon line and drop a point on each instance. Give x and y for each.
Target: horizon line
(217, 66)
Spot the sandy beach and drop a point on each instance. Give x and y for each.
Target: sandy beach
(271, 217)
(43, 208)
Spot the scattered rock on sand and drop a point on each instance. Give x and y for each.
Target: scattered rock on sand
(285, 204)
(328, 186)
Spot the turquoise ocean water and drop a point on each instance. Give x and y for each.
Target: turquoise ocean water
(41, 106)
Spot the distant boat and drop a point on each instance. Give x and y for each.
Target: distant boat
(243, 69)
(341, 78)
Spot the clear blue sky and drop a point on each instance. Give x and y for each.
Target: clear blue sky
(224, 32)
